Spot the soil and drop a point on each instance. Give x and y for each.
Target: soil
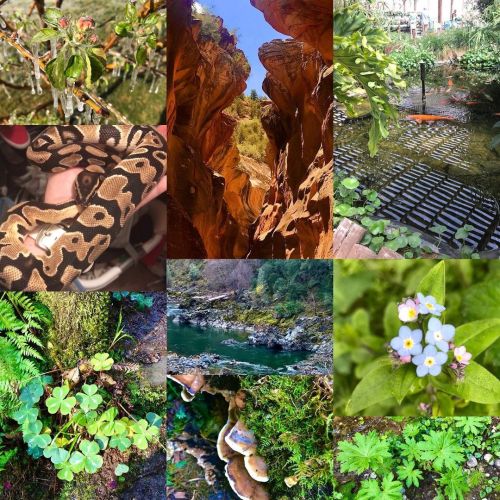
(149, 329)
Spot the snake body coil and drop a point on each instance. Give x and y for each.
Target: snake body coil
(122, 164)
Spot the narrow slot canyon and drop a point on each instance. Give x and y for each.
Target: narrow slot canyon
(235, 192)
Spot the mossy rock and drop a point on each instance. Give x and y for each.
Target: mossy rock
(81, 325)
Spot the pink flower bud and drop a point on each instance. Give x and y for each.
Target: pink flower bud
(405, 359)
(93, 38)
(63, 22)
(85, 23)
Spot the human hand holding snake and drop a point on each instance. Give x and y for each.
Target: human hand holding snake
(124, 167)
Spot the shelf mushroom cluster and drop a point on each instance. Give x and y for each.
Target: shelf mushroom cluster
(236, 444)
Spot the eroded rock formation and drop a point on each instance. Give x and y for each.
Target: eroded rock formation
(214, 195)
(221, 204)
(296, 220)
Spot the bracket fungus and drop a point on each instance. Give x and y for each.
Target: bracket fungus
(236, 444)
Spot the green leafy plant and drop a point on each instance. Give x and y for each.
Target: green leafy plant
(22, 320)
(360, 63)
(454, 483)
(143, 31)
(360, 206)
(441, 449)
(137, 300)
(408, 473)
(387, 377)
(101, 362)
(72, 427)
(365, 452)
(387, 490)
(75, 54)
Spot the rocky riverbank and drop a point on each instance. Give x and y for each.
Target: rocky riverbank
(229, 312)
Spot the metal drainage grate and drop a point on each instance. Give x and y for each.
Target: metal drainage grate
(416, 194)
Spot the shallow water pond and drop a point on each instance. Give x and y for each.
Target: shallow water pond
(436, 172)
(189, 340)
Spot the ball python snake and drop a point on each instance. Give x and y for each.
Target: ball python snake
(122, 164)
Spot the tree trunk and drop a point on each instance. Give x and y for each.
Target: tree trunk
(440, 11)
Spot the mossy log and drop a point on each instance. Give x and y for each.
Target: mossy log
(81, 325)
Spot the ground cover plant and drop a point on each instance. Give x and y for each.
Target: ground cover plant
(79, 421)
(82, 57)
(440, 458)
(416, 337)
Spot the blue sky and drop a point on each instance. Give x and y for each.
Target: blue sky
(252, 30)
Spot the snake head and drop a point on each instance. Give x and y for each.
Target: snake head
(86, 184)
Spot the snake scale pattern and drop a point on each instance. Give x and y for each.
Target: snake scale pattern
(122, 164)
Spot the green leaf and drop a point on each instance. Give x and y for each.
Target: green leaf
(57, 455)
(366, 451)
(77, 461)
(101, 362)
(130, 12)
(121, 442)
(477, 336)
(121, 469)
(54, 70)
(52, 15)
(123, 28)
(97, 65)
(25, 414)
(481, 301)
(143, 433)
(374, 387)
(154, 419)
(74, 67)
(402, 381)
(89, 399)
(59, 402)
(391, 320)
(350, 183)
(440, 448)
(479, 385)
(141, 55)
(151, 41)
(44, 35)
(65, 471)
(92, 461)
(434, 283)
(32, 392)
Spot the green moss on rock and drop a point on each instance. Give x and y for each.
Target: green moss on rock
(292, 420)
(81, 325)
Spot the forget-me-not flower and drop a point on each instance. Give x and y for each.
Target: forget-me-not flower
(461, 355)
(430, 361)
(428, 305)
(408, 311)
(439, 334)
(407, 342)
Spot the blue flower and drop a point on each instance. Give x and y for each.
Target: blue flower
(427, 305)
(407, 342)
(439, 334)
(430, 361)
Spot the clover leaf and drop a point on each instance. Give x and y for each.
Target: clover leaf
(32, 436)
(154, 419)
(57, 455)
(122, 442)
(89, 399)
(32, 392)
(65, 471)
(59, 402)
(25, 414)
(101, 362)
(87, 458)
(143, 433)
(121, 469)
